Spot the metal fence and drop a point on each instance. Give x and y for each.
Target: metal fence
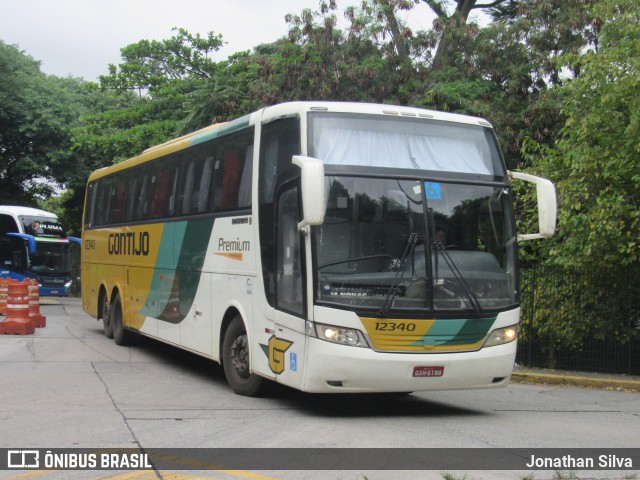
(584, 319)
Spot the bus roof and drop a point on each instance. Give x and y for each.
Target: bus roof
(278, 111)
(15, 210)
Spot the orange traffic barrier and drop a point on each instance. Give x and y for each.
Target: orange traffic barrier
(17, 321)
(38, 319)
(4, 292)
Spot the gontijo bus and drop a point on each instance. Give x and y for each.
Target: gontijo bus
(331, 247)
(33, 244)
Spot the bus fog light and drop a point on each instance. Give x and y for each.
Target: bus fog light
(341, 335)
(501, 336)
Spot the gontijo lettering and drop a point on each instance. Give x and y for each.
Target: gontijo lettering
(129, 243)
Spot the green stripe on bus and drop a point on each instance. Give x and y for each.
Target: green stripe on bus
(223, 129)
(457, 331)
(172, 290)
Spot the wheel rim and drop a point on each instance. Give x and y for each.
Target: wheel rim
(105, 312)
(239, 354)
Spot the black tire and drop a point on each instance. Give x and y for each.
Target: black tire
(236, 362)
(121, 335)
(105, 316)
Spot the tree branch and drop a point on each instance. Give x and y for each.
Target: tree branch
(489, 5)
(437, 9)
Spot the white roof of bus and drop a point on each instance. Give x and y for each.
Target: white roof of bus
(369, 108)
(25, 211)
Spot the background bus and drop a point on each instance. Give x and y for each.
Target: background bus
(331, 247)
(33, 244)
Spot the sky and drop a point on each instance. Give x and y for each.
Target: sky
(82, 37)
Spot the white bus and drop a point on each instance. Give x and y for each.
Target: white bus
(330, 247)
(33, 244)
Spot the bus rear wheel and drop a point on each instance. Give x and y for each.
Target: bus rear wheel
(121, 335)
(105, 316)
(236, 362)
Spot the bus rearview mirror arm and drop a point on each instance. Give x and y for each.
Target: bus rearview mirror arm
(313, 193)
(547, 205)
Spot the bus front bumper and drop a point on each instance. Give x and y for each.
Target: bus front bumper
(333, 368)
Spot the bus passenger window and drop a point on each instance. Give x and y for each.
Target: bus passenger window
(161, 194)
(205, 184)
(230, 177)
(141, 205)
(118, 194)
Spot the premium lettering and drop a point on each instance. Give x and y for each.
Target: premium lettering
(233, 245)
(129, 243)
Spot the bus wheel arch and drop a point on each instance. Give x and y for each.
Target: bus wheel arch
(103, 312)
(235, 358)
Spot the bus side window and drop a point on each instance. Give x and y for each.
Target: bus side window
(141, 205)
(288, 255)
(117, 210)
(132, 197)
(91, 204)
(233, 173)
(187, 189)
(103, 195)
(230, 177)
(244, 190)
(205, 185)
(160, 203)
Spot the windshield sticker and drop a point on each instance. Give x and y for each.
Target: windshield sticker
(433, 190)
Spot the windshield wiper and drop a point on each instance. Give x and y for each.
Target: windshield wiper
(395, 285)
(471, 296)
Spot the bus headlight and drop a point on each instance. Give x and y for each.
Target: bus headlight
(341, 335)
(502, 335)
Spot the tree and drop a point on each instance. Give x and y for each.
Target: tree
(596, 160)
(36, 112)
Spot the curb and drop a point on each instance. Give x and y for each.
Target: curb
(577, 381)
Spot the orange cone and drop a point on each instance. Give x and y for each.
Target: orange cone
(38, 319)
(18, 321)
(4, 291)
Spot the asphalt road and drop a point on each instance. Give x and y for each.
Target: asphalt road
(67, 386)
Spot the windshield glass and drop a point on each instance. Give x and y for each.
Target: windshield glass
(50, 258)
(390, 244)
(407, 143)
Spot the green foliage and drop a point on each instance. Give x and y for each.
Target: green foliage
(595, 162)
(36, 112)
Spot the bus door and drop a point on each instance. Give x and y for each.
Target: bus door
(282, 252)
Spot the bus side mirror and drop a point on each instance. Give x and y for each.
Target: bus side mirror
(312, 184)
(547, 205)
(30, 239)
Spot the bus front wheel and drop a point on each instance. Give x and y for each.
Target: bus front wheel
(235, 361)
(121, 335)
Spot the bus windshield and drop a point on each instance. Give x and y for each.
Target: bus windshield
(404, 143)
(391, 244)
(51, 258)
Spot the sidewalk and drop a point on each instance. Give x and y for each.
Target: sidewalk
(627, 383)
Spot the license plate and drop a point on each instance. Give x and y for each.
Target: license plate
(54, 292)
(428, 371)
